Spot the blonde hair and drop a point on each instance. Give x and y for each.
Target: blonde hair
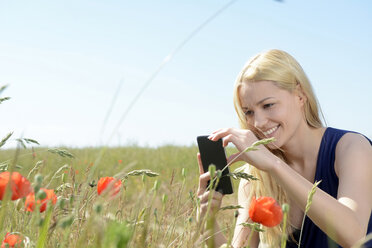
(286, 73)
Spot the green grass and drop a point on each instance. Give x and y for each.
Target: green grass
(139, 216)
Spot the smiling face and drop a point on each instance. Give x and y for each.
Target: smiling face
(271, 111)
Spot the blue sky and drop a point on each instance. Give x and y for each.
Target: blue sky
(64, 60)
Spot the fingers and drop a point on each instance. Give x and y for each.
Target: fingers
(221, 133)
(203, 182)
(227, 140)
(214, 202)
(201, 169)
(217, 196)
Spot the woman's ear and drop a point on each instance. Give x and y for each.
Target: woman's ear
(300, 94)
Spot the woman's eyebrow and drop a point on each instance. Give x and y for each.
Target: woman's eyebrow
(259, 102)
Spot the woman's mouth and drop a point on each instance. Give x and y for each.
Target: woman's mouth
(270, 131)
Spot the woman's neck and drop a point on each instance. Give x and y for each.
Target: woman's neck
(302, 150)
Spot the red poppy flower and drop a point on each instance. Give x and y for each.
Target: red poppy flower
(266, 211)
(12, 240)
(108, 182)
(30, 200)
(19, 185)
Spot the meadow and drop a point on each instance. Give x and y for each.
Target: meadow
(156, 206)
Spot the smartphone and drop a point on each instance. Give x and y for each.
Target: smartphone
(212, 152)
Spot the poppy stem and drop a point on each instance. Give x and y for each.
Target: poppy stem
(285, 209)
(250, 237)
(236, 213)
(43, 236)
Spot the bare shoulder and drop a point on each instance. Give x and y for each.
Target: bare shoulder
(353, 146)
(353, 140)
(353, 166)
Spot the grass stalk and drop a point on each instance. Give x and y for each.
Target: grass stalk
(43, 235)
(285, 209)
(308, 204)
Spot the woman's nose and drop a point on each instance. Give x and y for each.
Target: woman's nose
(260, 121)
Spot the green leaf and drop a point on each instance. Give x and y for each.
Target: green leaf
(254, 226)
(30, 141)
(4, 140)
(145, 172)
(264, 141)
(20, 141)
(3, 99)
(2, 88)
(257, 143)
(61, 152)
(310, 196)
(231, 207)
(239, 175)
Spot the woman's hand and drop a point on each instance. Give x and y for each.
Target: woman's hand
(203, 194)
(242, 139)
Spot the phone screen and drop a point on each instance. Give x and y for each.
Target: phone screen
(212, 152)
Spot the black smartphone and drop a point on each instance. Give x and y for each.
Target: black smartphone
(212, 152)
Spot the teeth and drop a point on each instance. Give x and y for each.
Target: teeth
(270, 131)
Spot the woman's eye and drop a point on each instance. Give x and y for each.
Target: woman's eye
(248, 112)
(268, 105)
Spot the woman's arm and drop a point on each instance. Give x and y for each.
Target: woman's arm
(344, 219)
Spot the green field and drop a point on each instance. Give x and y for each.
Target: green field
(149, 211)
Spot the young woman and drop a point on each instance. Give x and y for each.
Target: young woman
(273, 98)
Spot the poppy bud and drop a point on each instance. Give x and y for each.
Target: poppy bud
(98, 208)
(61, 203)
(212, 170)
(39, 179)
(164, 198)
(48, 197)
(19, 204)
(236, 213)
(183, 172)
(219, 173)
(156, 185)
(64, 177)
(285, 208)
(41, 195)
(66, 221)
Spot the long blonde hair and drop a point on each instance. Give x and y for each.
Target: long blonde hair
(282, 69)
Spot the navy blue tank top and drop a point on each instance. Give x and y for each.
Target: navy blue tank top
(312, 236)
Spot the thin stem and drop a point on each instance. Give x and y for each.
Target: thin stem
(284, 236)
(250, 237)
(302, 228)
(232, 232)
